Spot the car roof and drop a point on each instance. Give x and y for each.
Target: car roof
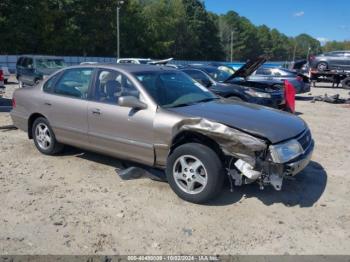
(131, 68)
(144, 59)
(202, 67)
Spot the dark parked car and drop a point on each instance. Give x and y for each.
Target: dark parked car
(300, 82)
(31, 68)
(254, 74)
(273, 99)
(160, 117)
(336, 60)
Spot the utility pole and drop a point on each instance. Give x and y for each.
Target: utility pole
(119, 4)
(231, 46)
(295, 50)
(308, 53)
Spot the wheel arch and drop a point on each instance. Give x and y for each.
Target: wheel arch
(31, 120)
(185, 137)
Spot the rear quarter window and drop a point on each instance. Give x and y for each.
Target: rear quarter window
(50, 83)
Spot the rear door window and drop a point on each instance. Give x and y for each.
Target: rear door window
(49, 84)
(74, 83)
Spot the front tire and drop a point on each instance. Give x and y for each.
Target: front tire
(195, 172)
(44, 137)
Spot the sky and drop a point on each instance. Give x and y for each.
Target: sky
(323, 19)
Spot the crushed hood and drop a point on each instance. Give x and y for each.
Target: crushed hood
(273, 125)
(248, 68)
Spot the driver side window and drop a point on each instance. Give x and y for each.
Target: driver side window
(111, 84)
(74, 83)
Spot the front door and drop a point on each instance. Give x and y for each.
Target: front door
(27, 71)
(119, 131)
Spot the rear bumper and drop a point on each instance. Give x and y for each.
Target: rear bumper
(20, 121)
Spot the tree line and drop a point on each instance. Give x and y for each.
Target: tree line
(182, 29)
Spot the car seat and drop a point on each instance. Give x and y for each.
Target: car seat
(112, 87)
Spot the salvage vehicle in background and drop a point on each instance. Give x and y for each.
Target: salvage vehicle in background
(300, 82)
(33, 68)
(160, 117)
(335, 60)
(254, 74)
(273, 99)
(143, 61)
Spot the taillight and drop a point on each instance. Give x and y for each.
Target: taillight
(13, 103)
(1, 75)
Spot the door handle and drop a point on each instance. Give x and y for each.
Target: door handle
(96, 111)
(47, 104)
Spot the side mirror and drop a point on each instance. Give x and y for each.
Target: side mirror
(132, 102)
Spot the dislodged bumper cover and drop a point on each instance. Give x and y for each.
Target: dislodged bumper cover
(232, 141)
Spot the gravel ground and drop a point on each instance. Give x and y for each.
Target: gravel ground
(76, 204)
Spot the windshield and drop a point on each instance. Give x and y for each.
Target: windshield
(173, 89)
(50, 63)
(217, 74)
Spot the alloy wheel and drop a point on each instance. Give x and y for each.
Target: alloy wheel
(190, 174)
(43, 136)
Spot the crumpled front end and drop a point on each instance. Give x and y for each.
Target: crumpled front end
(250, 159)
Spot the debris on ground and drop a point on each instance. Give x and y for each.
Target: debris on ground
(137, 171)
(334, 99)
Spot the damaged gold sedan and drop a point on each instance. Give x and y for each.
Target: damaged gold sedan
(160, 117)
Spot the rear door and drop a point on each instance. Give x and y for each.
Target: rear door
(119, 131)
(66, 105)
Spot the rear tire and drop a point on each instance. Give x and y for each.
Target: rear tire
(195, 172)
(44, 137)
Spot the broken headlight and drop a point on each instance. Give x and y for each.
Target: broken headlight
(257, 94)
(282, 153)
